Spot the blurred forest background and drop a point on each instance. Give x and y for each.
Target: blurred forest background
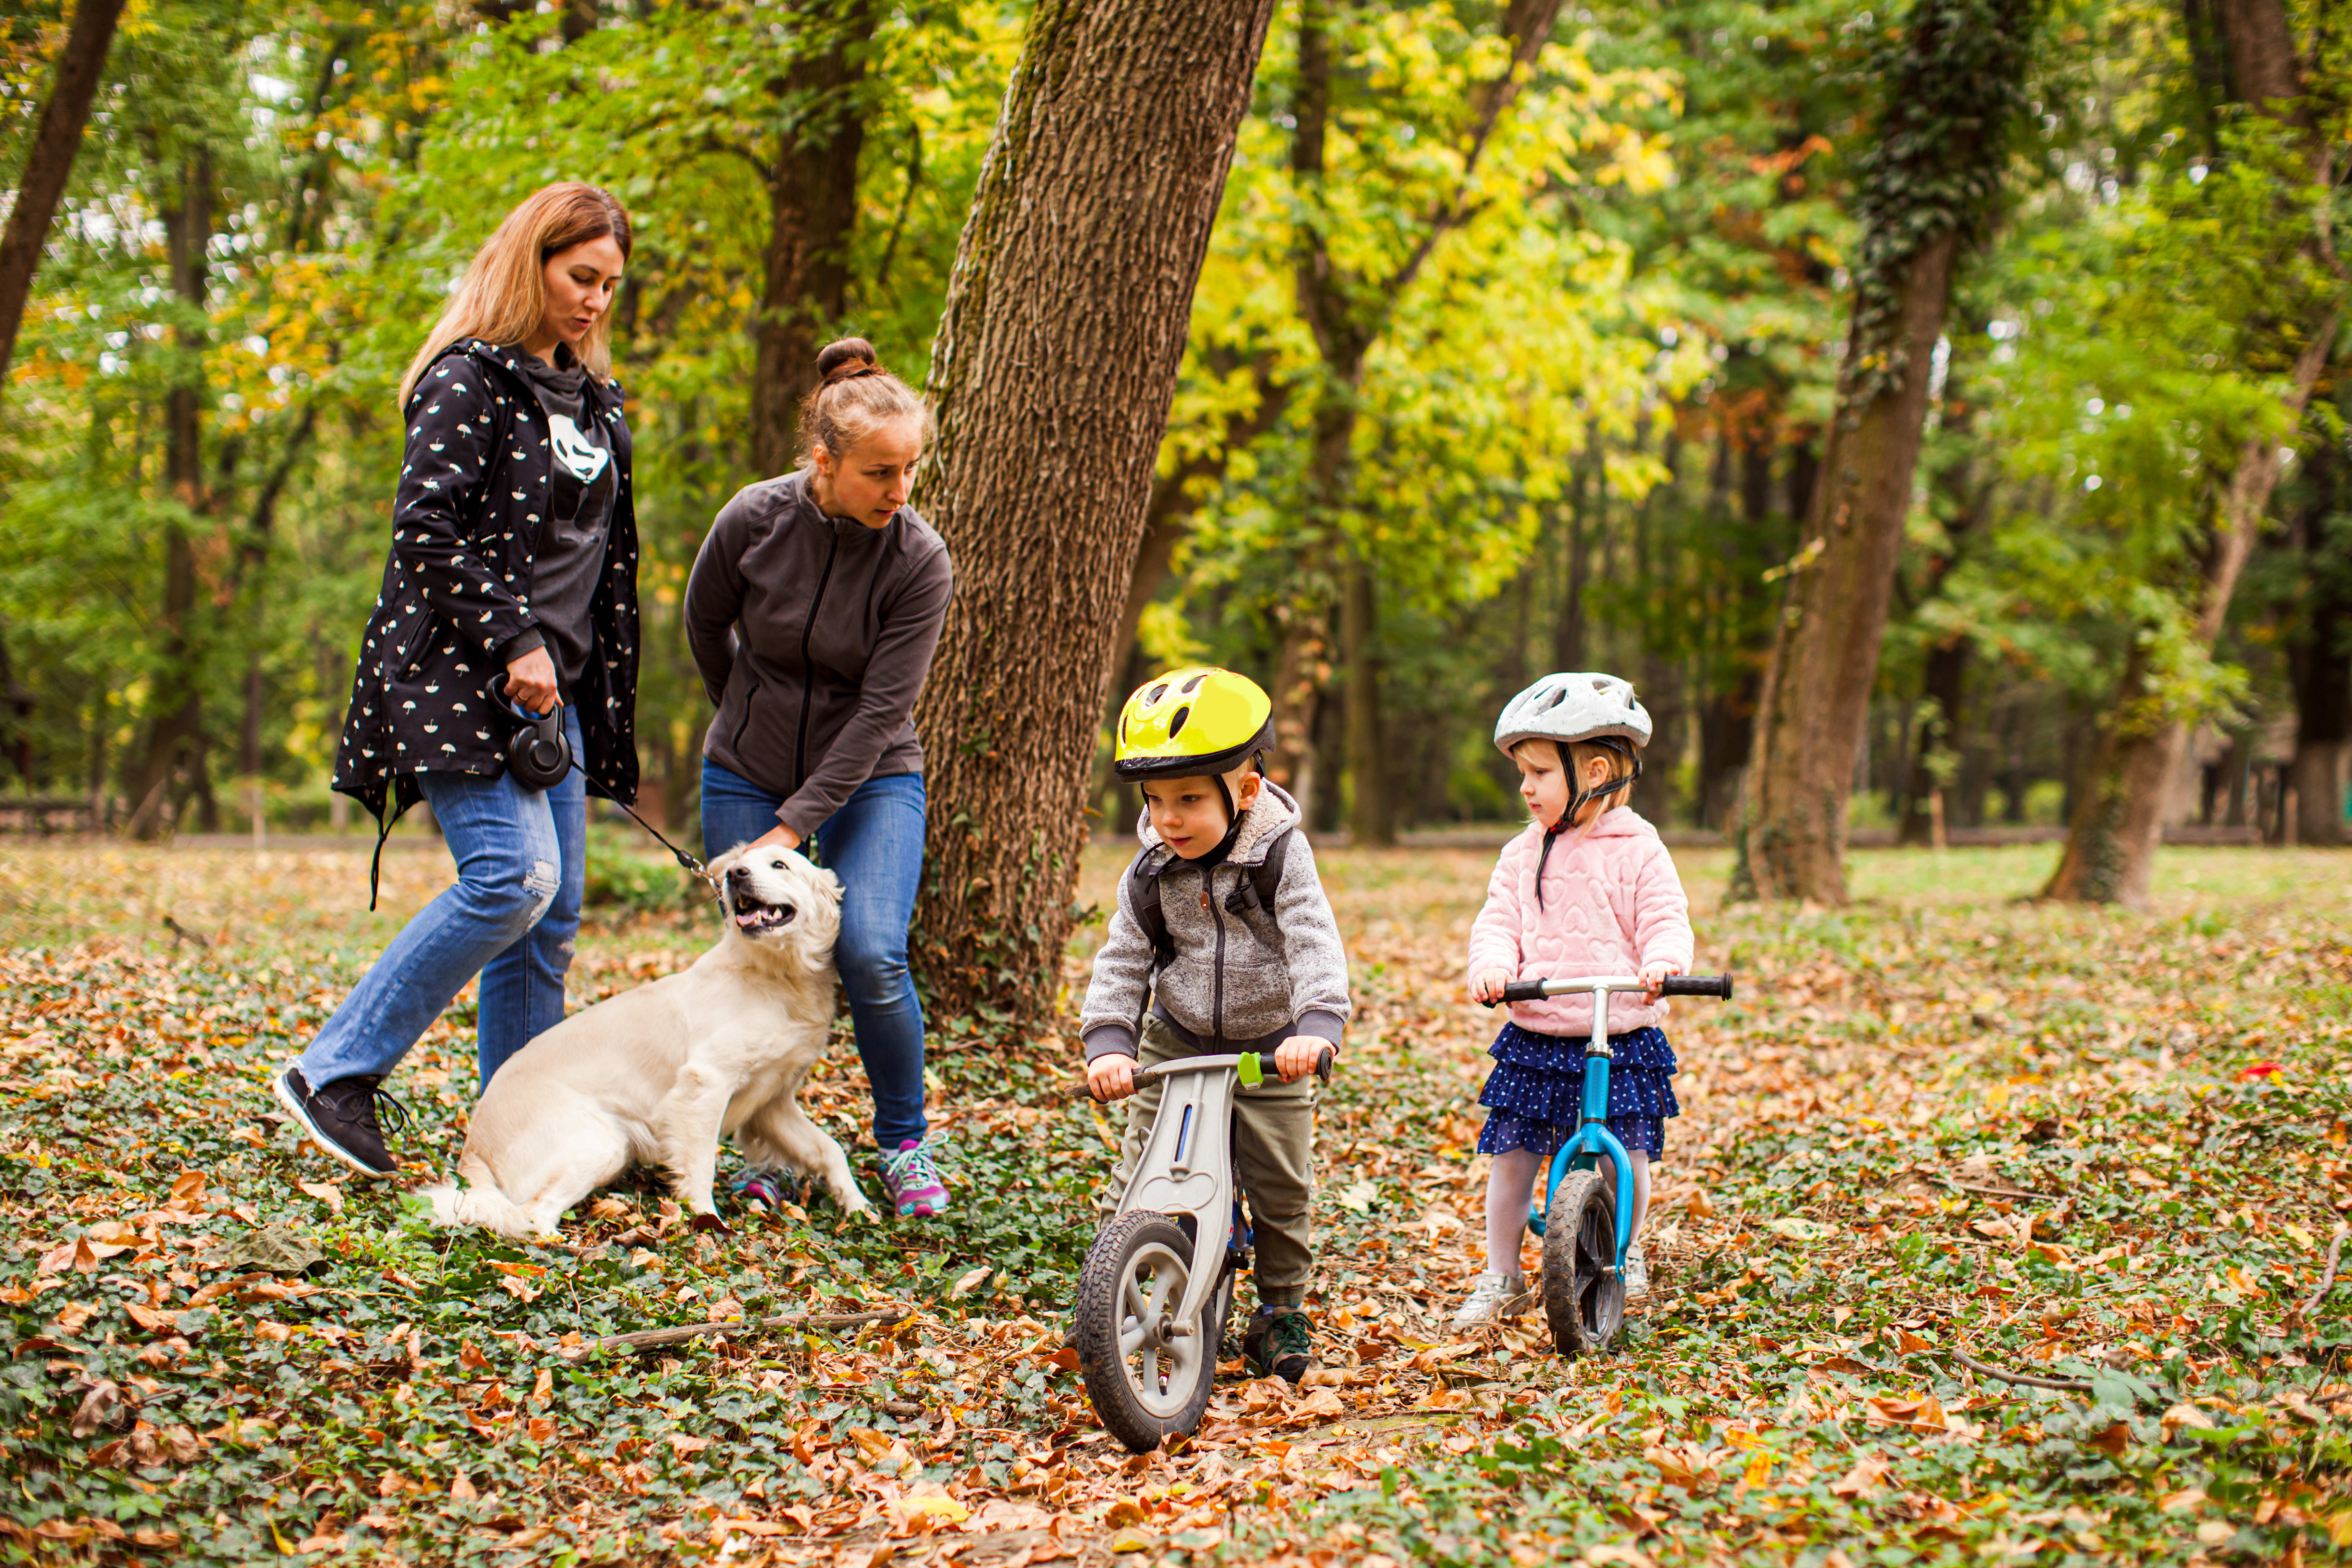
(1573, 420)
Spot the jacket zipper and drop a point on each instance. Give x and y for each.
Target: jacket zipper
(808, 671)
(1209, 897)
(751, 689)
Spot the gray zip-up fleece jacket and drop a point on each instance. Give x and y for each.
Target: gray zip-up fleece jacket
(1241, 979)
(813, 635)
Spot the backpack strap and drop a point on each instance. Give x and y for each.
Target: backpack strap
(1258, 889)
(1143, 898)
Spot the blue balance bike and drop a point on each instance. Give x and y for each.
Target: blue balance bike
(1586, 1218)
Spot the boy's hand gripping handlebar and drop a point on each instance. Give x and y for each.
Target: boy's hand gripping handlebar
(1249, 1067)
(1718, 985)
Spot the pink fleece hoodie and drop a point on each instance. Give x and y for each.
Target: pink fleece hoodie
(1610, 905)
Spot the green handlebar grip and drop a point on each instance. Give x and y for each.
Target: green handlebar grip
(1249, 1069)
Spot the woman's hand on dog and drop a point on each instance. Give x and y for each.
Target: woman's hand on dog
(1111, 1077)
(779, 834)
(531, 684)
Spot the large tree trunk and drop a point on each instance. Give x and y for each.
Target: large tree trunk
(811, 214)
(1944, 126)
(2117, 823)
(1053, 373)
(56, 140)
(177, 681)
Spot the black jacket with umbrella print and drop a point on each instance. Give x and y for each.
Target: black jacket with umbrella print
(474, 483)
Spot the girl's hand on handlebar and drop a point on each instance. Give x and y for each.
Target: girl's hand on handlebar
(530, 682)
(1111, 1077)
(1488, 987)
(1654, 975)
(1296, 1057)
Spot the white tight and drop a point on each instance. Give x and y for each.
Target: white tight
(1510, 1193)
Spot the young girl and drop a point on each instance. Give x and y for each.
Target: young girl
(1588, 889)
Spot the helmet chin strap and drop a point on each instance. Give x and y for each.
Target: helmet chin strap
(1582, 798)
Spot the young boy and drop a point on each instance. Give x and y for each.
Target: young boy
(1224, 931)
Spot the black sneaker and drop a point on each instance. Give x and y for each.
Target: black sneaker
(1279, 1344)
(340, 1119)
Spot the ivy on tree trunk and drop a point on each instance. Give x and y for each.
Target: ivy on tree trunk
(1052, 374)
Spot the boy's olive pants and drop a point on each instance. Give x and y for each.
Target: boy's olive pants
(1273, 1159)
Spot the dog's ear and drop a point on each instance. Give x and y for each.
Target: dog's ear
(826, 879)
(725, 863)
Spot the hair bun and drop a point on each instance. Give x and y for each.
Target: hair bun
(844, 357)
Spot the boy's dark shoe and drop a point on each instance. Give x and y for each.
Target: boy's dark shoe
(340, 1119)
(1279, 1343)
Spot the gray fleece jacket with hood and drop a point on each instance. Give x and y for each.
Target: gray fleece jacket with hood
(1242, 979)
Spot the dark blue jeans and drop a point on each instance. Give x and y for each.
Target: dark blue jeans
(874, 845)
(522, 865)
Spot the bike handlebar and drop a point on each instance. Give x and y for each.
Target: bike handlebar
(1719, 986)
(1146, 1076)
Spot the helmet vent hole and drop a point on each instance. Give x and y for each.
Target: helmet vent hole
(1176, 725)
(1550, 700)
(1157, 692)
(1193, 685)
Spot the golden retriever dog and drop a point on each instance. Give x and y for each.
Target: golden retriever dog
(660, 1074)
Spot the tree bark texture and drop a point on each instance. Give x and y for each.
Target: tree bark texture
(811, 214)
(1055, 363)
(1824, 659)
(1923, 191)
(2117, 823)
(56, 138)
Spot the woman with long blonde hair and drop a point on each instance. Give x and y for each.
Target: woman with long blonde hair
(509, 596)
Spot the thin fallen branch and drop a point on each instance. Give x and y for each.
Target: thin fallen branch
(2327, 1279)
(1999, 1191)
(2063, 1384)
(656, 1338)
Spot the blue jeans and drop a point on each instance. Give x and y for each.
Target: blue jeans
(874, 845)
(521, 858)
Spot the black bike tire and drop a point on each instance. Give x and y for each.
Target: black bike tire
(1096, 1333)
(1583, 1301)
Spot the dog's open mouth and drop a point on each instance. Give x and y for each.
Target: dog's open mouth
(753, 915)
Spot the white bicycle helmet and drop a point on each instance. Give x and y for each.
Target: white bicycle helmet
(1576, 705)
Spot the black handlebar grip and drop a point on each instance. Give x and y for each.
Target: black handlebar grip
(1523, 991)
(1323, 1064)
(1697, 985)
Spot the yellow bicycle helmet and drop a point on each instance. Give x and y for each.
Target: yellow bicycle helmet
(1190, 722)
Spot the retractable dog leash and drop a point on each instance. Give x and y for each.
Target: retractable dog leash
(541, 756)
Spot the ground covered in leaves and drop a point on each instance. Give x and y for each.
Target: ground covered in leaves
(2104, 1150)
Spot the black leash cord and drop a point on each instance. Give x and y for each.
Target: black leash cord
(692, 865)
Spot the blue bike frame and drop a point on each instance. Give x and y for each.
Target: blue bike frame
(1592, 1140)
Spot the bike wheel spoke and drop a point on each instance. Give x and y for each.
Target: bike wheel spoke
(1163, 1280)
(1131, 1338)
(1137, 1306)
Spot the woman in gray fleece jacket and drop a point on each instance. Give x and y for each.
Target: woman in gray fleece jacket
(813, 612)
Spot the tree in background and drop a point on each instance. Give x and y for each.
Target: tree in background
(2275, 167)
(1926, 192)
(56, 139)
(1052, 375)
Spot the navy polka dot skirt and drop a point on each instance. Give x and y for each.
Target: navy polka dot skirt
(1535, 1096)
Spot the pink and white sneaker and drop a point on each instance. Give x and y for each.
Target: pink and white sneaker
(912, 1181)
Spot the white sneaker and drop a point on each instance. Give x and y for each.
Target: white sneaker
(1489, 1294)
(1637, 1273)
